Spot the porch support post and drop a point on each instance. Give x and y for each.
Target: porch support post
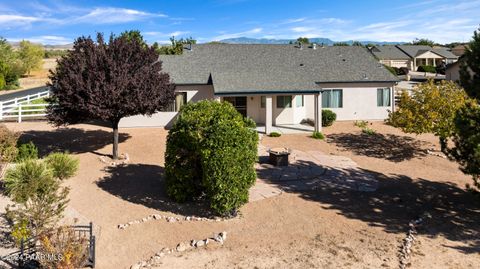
(318, 111)
(268, 114)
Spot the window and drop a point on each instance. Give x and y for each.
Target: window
(180, 100)
(263, 101)
(284, 101)
(383, 97)
(299, 100)
(332, 98)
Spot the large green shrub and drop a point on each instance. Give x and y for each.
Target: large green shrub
(211, 152)
(328, 117)
(427, 68)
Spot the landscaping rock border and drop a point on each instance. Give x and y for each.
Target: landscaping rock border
(218, 238)
(169, 219)
(122, 160)
(407, 242)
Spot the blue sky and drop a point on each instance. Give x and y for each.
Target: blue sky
(60, 22)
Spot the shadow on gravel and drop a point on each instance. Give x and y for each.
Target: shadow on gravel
(455, 212)
(144, 184)
(74, 140)
(391, 147)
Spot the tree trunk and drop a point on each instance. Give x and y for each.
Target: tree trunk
(115, 141)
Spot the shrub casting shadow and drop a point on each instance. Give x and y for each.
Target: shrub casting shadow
(391, 147)
(399, 199)
(144, 184)
(74, 140)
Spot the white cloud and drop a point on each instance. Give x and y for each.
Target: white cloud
(45, 40)
(302, 29)
(251, 32)
(112, 15)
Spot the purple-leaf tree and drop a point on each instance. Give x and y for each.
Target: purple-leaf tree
(106, 82)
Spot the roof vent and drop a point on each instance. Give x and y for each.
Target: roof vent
(314, 46)
(190, 48)
(365, 76)
(301, 45)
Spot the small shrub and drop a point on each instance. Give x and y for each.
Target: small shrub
(368, 131)
(20, 232)
(328, 117)
(8, 145)
(211, 152)
(38, 195)
(318, 135)
(63, 243)
(427, 68)
(62, 164)
(27, 151)
(361, 124)
(274, 134)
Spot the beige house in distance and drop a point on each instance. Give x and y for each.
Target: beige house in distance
(413, 56)
(278, 85)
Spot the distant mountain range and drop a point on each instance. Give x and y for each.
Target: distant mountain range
(248, 40)
(318, 40)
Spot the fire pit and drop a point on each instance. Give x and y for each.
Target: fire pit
(279, 156)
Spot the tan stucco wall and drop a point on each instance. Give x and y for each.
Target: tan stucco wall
(396, 63)
(359, 102)
(195, 93)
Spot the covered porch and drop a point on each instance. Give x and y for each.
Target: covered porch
(282, 112)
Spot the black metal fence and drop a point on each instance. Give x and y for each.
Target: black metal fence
(25, 257)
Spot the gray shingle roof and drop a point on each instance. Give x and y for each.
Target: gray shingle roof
(272, 68)
(413, 50)
(445, 52)
(389, 52)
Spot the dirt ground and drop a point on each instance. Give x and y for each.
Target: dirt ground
(322, 228)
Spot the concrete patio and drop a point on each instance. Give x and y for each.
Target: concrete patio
(287, 128)
(309, 171)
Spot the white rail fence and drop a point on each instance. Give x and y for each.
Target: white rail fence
(20, 108)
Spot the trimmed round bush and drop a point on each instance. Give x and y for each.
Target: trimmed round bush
(328, 117)
(211, 152)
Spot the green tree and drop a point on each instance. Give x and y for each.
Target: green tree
(10, 66)
(357, 43)
(423, 41)
(134, 35)
(31, 55)
(340, 44)
(176, 46)
(467, 121)
(430, 109)
(303, 40)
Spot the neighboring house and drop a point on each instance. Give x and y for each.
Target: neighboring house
(279, 84)
(453, 70)
(413, 56)
(459, 50)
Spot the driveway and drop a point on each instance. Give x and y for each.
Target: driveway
(21, 93)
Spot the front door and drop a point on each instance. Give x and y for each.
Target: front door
(240, 103)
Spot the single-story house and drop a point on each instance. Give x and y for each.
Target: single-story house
(279, 84)
(413, 56)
